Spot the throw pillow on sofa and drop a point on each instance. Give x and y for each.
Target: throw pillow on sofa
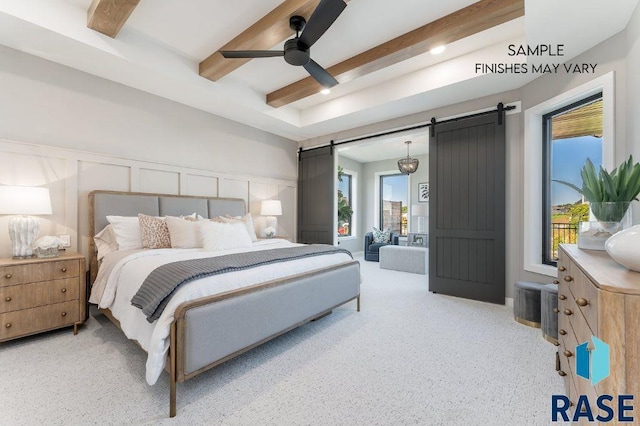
(381, 236)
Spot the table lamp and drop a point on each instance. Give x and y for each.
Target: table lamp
(419, 211)
(23, 230)
(271, 209)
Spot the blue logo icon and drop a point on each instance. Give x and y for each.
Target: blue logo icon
(593, 363)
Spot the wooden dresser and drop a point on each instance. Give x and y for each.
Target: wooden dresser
(599, 297)
(38, 295)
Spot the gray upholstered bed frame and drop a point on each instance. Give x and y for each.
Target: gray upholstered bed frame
(209, 331)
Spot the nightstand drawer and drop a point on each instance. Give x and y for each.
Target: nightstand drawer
(29, 321)
(61, 269)
(14, 298)
(11, 275)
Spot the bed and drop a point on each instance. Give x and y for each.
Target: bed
(213, 319)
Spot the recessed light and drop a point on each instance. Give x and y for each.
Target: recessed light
(437, 50)
(325, 91)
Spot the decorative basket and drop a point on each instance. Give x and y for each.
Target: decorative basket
(46, 252)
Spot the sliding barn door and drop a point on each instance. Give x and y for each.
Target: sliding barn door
(467, 208)
(316, 191)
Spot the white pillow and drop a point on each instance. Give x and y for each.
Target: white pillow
(247, 219)
(184, 233)
(224, 236)
(106, 242)
(127, 230)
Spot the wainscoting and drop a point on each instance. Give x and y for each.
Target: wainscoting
(70, 175)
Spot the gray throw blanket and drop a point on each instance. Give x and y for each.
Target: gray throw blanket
(157, 289)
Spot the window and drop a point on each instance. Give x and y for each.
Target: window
(393, 202)
(345, 203)
(571, 134)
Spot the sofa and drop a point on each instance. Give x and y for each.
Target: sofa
(372, 250)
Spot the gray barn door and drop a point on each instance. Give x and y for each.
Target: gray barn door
(467, 208)
(316, 190)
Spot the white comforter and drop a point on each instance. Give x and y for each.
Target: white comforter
(121, 275)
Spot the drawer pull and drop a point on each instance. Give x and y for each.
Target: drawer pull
(556, 282)
(64, 269)
(64, 314)
(562, 297)
(7, 299)
(568, 278)
(562, 373)
(8, 325)
(555, 310)
(582, 301)
(562, 332)
(561, 268)
(568, 312)
(568, 354)
(8, 276)
(64, 290)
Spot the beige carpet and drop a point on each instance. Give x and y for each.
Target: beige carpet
(409, 358)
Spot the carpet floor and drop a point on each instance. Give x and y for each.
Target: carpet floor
(409, 357)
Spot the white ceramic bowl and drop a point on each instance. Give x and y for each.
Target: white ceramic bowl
(624, 247)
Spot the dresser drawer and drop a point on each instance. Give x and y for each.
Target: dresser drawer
(16, 297)
(585, 296)
(28, 321)
(11, 275)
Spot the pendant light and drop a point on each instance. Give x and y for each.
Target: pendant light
(408, 165)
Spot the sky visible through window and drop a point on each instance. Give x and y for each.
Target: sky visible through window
(568, 158)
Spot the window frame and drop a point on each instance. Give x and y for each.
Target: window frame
(353, 202)
(532, 158)
(381, 176)
(546, 171)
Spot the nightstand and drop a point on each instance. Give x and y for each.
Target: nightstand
(39, 295)
(290, 239)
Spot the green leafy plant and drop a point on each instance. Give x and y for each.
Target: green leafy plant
(344, 209)
(620, 186)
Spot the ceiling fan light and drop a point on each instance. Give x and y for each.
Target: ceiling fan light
(438, 50)
(325, 91)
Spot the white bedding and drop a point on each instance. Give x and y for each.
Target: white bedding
(122, 273)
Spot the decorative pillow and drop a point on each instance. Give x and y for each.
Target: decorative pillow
(154, 232)
(106, 242)
(247, 219)
(183, 233)
(127, 230)
(381, 236)
(224, 236)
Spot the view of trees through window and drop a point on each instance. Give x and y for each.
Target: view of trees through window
(393, 203)
(345, 210)
(572, 134)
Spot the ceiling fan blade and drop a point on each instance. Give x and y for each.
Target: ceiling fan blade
(321, 19)
(251, 53)
(321, 75)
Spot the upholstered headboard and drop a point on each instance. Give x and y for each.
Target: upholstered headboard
(106, 203)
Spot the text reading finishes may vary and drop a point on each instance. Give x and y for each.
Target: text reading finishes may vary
(539, 50)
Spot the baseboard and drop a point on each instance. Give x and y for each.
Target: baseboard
(508, 301)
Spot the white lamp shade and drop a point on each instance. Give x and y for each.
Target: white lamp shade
(271, 208)
(25, 200)
(419, 210)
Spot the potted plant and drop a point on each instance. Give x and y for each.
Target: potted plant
(609, 196)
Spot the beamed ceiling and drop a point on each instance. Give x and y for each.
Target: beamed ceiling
(377, 50)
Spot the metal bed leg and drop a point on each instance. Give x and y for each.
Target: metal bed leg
(358, 299)
(172, 357)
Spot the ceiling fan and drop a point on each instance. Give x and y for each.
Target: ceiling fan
(296, 50)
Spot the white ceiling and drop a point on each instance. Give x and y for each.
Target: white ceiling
(162, 43)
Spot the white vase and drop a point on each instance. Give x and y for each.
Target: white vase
(624, 247)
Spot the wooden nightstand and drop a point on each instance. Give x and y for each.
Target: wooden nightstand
(290, 239)
(38, 295)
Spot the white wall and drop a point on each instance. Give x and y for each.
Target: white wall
(633, 94)
(74, 132)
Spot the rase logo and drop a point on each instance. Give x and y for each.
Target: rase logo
(593, 364)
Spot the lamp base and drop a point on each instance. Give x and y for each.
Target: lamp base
(271, 222)
(23, 231)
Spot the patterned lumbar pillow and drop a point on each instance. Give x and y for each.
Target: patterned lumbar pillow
(381, 236)
(155, 233)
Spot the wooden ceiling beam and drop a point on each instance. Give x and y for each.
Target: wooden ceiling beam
(465, 22)
(272, 29)
(108, 16)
